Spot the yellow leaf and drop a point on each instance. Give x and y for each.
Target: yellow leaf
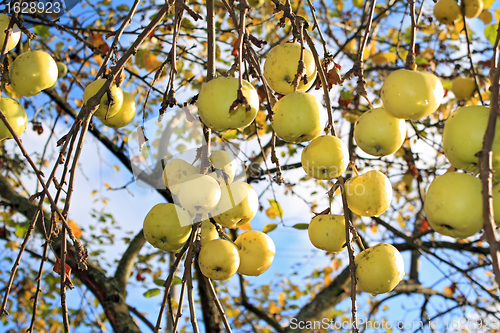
(245, 227)
(276, 208)
(281, 298)
(76, 230)
(151, 62)
(273, 308)
(107, 186)
(487, 3)
(497, 14)
(271, 213)
(486, 16)
(373, 228)
(116, 168)
(78, 102)
(269, 227)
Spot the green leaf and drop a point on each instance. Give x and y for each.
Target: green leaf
(123, 8)
(269, 227)
(159, 282)
(152, 292)
(301, 226)
(176, 280)
(42, 31)
(490, 32)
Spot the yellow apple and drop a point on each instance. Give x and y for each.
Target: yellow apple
(219, 259)
(446, 11)
(167, 226)
(104, 110)
(225, 166)
(327, 232)
(379, 133)
(368, 194)
(463, 136)
(496, 203)
(237, 206)
(298, 117)
(125, 115)
(176, 171)
(379, 269)
(15, 35)
(453, 205)
(472, 7)
(199, 194)
(256, 251)
(215, 100)
(281, 66)
(208, 232)
(326, 157)
(463, 87)
(15, 114)
(32, 72)
(410, 94)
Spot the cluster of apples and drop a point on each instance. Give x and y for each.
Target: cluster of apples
(448, 11)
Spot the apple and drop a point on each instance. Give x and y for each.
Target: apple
(62, 69)
(208, 232)
(368, 194)
(446, 11)
(298, 117)
(215, 100)
(104, 110)
(463, 87)
(453, 205)
(326, 157)
(281, 67)
(219, 259)
(125, 115)
(32, 72)
(15, 36)
(496, 203)
(225, 166)
(199, 194)
(15, 114)
(379, 133)
(176, 171)
(379, 269)
(237, 206)
(409, 94)
(463, 136)
(327, 232)
(472, 7)
(167, 226)
(256, 251)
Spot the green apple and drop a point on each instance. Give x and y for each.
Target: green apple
(496, 203)
(125, 115)
(219, 259)
(463, 87)
(298, 117)
(256, 251)
(446, 11)
(225, 166)
(327, 232)
(215, 100)
(463, 137)
(15, 36)
(409, 94)
(208, 232)
(167, 226)
(32, 72)
(379, 133)
(237, 206)
(368, 194)
(199, 194)
(176, 171)
(15, 114)
(105, 110)
(472, 7)
(453, 205)
(379, 269)
(325, 157)
(281, 66)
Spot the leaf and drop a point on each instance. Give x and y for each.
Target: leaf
(490, 32)
(339, 4)
(152, 292)
(67, 271)
(76, 230)
(487, 3)
(123, 8)
(276, 207)
(358, 3)
(42, 31)
(269, 227)
(245, 227)
(301, 226)
(486, 17)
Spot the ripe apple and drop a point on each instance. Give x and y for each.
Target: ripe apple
(216, 98)
(237, 206)
(298, 117)
(15, 36)
(104, 110)
(463, 136)
(208, 232)
(256, 251)
(326, 157)
(446, 11)
(225, 166)
(281, 66)
(199, 194)
(167, 226)
(472, 7)
(369, 194)
(32, 72)
(125, 115)
(327, 232)
(410, 94)
(379, 269)
(219, 259)
(379, 133)
(15, 114)
(463, 87)
(453, 205)
(176, 171)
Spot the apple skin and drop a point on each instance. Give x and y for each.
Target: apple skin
(379, 133)
(379, 269)
(496, 203)
(446, 11)
(32, 72)
(199, 194)
(219, 259)
(167, 226)
(281, 66)
(408, 94)
(463, 136)
(453, 205)
(298, 117)
(325, 157)
(177, 171)
(15, 36)
(102, 111)
(224, 163)
(125, 115)
(16, 115)
(327, 232)
(463, 87)
(208, 232)
(217, 96)
(256, 251)
(473, 8)
(237, 206)
(368, 194)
